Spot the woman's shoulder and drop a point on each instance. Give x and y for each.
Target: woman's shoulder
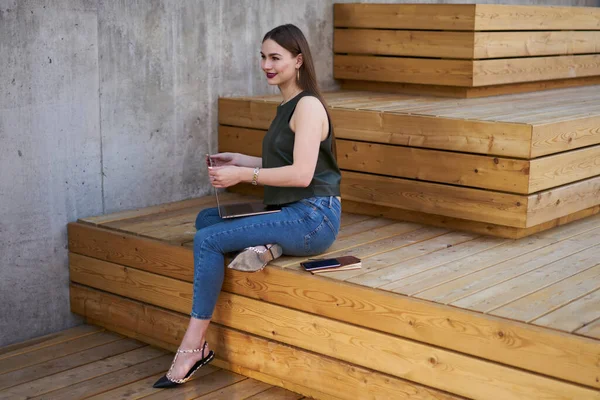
(309, 103)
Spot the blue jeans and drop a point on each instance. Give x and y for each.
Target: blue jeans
(306, 227)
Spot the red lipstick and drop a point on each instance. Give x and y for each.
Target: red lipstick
(271, 75)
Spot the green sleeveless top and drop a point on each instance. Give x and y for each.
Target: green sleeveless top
(278, 151)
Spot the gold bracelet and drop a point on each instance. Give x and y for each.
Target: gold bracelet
(255, 176)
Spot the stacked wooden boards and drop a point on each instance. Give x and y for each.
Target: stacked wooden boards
(507, 166)
(131, 272)
(465, 50)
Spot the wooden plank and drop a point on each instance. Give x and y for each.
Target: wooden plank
(590, 330)
(276, 393)
(67, 378)
(366, 248)
(467, 92)
(311, 393)
(392, 355)
(237, 391)
(457, 202)
(68, 362)
(384, 278)
(234, 139)
(459, 288)
(495, 17)
(566, 135)
(462, 375)
(436, 44)
(247, 114)
(497, 138)
(58, 350)
(564, 200)
(503, 174)
(555, 170)
(509, 250)
(551, 297)
(574, 315)
(424, 70)
(462, 224)
(143, 387)
(527, 69)
(140, 212)
(505, 292)
(48, 340)
(409, 251)
(487, 337)
(465, 45)
(531, 43)
(459, 17)
(332, 377)
(146, 254)
(115, 379)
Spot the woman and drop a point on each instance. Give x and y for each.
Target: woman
(299, 172)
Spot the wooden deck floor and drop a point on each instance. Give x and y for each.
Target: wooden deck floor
(87, 362)
(551, 279)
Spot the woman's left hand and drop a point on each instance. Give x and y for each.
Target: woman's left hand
(222, 177)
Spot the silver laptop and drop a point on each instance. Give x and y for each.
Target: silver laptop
(241, 209)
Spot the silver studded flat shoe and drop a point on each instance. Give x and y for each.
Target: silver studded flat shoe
(167, 381)
(253, 259)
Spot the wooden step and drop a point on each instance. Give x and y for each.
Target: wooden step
(281, 299)
(441, 48)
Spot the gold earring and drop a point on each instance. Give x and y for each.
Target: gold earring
(298, 74)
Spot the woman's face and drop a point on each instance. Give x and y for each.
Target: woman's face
(278, 64)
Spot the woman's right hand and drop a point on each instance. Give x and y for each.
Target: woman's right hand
(222, 159)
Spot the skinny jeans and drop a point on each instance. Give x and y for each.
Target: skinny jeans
(303, 228)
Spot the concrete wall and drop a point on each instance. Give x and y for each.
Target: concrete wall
(107, 105)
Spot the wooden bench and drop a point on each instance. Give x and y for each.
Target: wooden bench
(465, 50)
(507, 166)
(378, 332)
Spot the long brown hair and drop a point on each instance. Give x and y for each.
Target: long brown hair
(291, 38)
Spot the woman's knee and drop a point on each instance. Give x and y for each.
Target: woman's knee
(202, 219)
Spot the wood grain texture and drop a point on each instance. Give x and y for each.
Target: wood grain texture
(550, 204)
(467, 92)
(551, 297)
(574, 315)
(526, 283)
(559, 169)
(64, 363)
(436, 44)
(457, 202)
(565, 135)
(41, 355)
(503, 174)
(496, 17)
(464, 45)
(414, 70)
(463, 224)
(405, 16)
(47, 340)
(333, 377)
(530, 69)
(462, 375)
(516, 344)
(531, 43)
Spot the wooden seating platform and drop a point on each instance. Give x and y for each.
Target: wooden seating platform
(507, 166)
(88, 362)
(433, 314)
(465, 50)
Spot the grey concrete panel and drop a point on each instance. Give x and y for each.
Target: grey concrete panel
(49, 157)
